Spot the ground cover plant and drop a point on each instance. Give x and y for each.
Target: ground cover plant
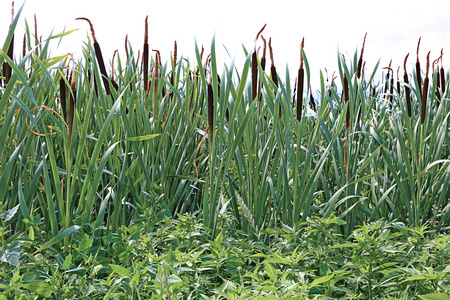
(132, 177)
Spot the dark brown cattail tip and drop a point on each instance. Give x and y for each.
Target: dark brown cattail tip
(175, 50)
(126, 48)
(362, 49)
(428, 64)
(112, 65)
(146, 30)
(201, 53)
(254, 74)
(302, 45)
(404, 63)
(264, 47)
(271, 53)
(157, 62)
(259, 32)
(92, 28)
(35, 30)
(418, 44)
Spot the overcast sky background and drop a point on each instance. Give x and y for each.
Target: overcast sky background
(393, 28)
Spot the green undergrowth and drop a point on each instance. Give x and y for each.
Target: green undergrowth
(178, 259)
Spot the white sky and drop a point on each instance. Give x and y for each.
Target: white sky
(393, 27)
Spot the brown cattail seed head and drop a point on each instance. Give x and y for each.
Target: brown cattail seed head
(259, 32)
(146, 30)
(92, 28)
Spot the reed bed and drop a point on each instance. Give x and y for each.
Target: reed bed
(364, 153)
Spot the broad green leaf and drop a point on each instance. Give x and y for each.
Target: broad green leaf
(321, 280)
(435, 296)
(67, 262)
(271, 272)
(123, 272)
(43, 289)
(85, 243)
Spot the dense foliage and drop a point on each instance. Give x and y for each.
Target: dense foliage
(173, 180)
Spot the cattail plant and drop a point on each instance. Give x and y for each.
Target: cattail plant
(113, 82)
(7, 71)
(346, 102)
(172, 76)
(360, 60)
(273, 72)
(418, 75)
(425, 92)
(263, 65)
(99, 56)
(438, 80)
(126, 49)
(407, 90)
(62, 95)
(389, 83)
(145, 57)
(255, 67)
(300, 82)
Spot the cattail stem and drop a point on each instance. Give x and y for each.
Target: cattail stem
(99, 56)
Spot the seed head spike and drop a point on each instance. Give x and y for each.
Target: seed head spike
(126, 49)
(359, 66)
(404, 63)
(175, 54)
(428, 63)
(418, 44)
(264, 47)
(362, 49)
(301, 53)
(146, 30)
(35, 31)
(259, 32)
(92, 28)
(271, 52)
